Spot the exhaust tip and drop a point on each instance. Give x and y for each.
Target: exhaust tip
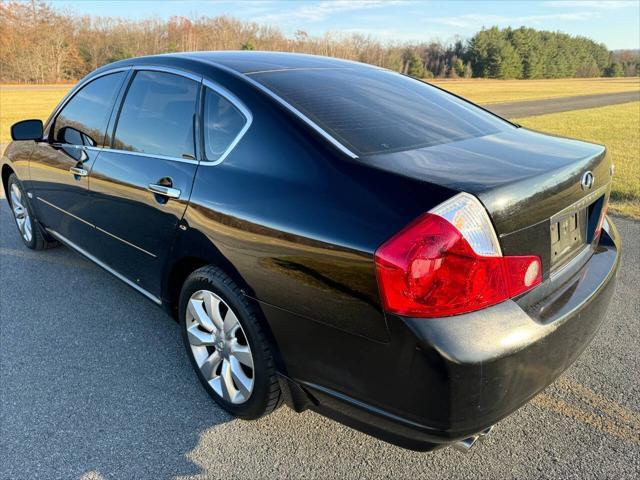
(466, 444)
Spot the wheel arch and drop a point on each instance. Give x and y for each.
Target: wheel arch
(192, 251)
(6, 173)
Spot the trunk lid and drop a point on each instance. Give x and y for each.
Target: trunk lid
(529, 182)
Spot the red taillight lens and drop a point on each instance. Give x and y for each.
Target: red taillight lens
(429, 269)
(603, 213)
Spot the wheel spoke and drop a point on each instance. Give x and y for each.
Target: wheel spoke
(196, 309)
(27, 228)
(20, 222)
(16, 194)
(228, 367)
(210, 365)
(212, 306)
(230, 322)
(198, 338)
(242, 353)
(17, 204)
(243, 382)
(226, 383)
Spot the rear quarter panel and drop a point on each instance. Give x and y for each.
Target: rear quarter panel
(300, 224)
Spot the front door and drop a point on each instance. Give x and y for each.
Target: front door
(60, 167)
(140, 186)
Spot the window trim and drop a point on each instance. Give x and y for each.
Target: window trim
(237, 103)
(314, 126)
(120, 104)
(51, 121)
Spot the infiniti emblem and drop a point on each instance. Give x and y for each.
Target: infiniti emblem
(587, 180)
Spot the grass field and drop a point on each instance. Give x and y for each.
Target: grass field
(19, 102)
(493, 91)
(617, 127)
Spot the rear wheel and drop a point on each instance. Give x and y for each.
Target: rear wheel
(227, 345)
(26, 221)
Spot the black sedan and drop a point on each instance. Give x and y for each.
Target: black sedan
(329, 234)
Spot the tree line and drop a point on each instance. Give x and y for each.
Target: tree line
(42, 44)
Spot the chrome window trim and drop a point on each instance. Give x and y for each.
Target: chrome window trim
(76, 89)
(98, 262)
(176, 71)
(151, 155)
(151, 68)
(236, 102)
(289, 107)
(219, 89)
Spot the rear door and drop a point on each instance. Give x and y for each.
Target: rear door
(60, 167)
(140, 186)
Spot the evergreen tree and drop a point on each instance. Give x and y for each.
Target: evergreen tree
(614, 70)
(413, 64)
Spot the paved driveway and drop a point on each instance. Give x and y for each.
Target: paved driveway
(562, 104)
(94, 383)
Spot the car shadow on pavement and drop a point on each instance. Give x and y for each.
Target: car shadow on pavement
(94, 379)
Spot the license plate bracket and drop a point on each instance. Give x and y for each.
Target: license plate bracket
(568, 235)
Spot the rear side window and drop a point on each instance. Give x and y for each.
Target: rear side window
(83, 120)
(223, 122)
(374, 111)
(157, 115)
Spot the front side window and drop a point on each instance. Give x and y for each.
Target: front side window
(222, 124)
(83, 120)
(157, 115)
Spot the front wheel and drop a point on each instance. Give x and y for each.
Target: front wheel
(26, 221)
(227, 345)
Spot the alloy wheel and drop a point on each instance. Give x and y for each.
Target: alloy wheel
(21, 213)
(220, 346)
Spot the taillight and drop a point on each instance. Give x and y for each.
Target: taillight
(449, 262)
(603, 213)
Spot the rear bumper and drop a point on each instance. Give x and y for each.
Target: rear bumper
(456, 376)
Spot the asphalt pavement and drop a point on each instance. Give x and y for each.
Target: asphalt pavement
(531, 108)
(95, 384)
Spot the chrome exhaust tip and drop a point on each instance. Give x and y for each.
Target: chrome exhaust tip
(466, 444)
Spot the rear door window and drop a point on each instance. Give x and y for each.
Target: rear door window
(157, 115)
(83, 120)
(223, 122)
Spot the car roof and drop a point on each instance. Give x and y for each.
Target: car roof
(248, 62)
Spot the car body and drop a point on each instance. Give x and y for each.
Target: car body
(298, 196)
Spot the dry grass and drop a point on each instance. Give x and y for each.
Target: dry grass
(617, 127)
(485, 91)
(19, 102)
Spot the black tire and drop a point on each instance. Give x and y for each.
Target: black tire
(266, 395)
(39, 239)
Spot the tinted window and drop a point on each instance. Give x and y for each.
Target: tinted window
(157, 115)
(83, 120)
(374, 111)
(222, 124)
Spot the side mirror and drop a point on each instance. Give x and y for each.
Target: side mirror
(27, 130)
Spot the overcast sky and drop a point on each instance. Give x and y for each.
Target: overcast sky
(616, 23)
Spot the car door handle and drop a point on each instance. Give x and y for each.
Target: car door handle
(165, 191)
(81, 172)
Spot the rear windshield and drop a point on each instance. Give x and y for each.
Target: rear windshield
(373, 111)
